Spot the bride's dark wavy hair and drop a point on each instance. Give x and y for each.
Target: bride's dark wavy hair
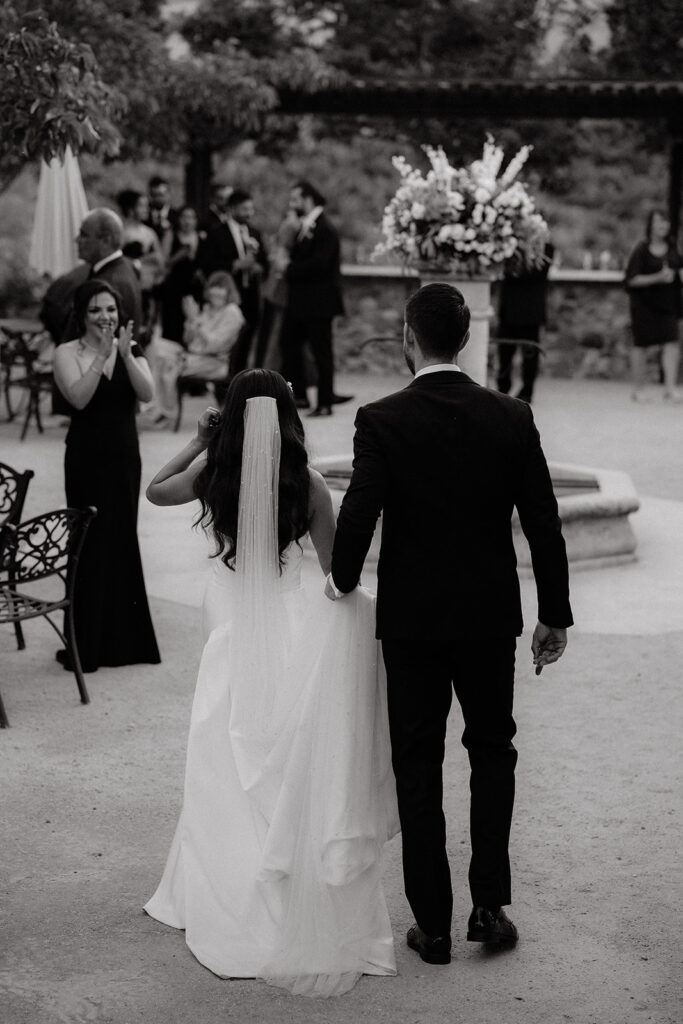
(218, 484)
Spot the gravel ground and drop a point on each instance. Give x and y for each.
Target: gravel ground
(90, 795)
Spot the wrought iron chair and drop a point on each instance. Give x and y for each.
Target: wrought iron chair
(13, 488)
(21, 369)
(47, 545)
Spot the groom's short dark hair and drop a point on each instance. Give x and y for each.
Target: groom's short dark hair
(439, 317)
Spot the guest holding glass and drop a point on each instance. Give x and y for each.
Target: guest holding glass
(653, 280)
(103, 374)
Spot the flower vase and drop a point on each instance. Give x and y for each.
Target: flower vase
(473, 359)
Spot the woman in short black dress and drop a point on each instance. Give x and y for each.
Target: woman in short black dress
(103, 377)
(653, 280)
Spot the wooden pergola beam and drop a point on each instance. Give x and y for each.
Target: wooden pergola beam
(550, 98)
(563, 99)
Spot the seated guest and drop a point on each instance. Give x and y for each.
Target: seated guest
(210, 334)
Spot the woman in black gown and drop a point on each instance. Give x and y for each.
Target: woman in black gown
(653, 280)
(103, 377)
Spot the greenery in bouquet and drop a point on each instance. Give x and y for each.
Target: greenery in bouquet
(472, 219)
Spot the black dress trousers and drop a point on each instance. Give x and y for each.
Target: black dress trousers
(421, 677)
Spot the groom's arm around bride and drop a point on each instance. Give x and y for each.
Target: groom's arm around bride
(445, 462)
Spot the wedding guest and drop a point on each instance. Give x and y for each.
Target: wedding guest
(313, 277)
(653, 280)
(234, 245)
(274, 293)
(102, 373)
(522, 314)
(212, 332)
(142, 246)
(179, 247)
(99, 243)
(218, 207)
(162, 216)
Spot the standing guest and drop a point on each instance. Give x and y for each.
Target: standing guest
(162, 216)
(103, 374)
(99, 244)
(180, 246)
(141, 245)
(274, 293)
(522, 313)
(218, 207)
(233, 245)
(653, 280)
(313, 276)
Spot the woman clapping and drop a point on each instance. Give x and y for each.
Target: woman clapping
(103, 374)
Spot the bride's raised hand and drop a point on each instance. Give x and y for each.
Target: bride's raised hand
(207, 425)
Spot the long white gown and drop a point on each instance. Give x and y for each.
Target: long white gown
(275, 868)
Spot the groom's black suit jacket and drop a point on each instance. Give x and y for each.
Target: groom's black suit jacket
(446, 461)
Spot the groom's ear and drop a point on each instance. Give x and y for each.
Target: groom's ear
(408, 336)
(464, 341)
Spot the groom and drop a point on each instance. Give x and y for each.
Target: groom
(446, 461)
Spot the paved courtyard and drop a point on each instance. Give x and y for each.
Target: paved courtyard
(90, 794)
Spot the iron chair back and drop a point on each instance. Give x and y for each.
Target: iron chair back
(13, 488)
(46, 545)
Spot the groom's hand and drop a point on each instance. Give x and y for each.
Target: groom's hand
(548, 645)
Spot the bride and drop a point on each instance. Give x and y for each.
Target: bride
(274, 871)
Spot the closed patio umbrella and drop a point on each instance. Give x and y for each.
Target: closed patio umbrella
(60, 208)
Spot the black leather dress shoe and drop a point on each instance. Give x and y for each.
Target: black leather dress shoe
(432, 951)
(322, 410)
(491, 926)
(302, 403)
(340, 399)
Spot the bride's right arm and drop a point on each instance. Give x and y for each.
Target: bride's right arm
(322, 521)
(174, 484)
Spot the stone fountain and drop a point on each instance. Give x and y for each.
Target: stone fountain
(595, 505)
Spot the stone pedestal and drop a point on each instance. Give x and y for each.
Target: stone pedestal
(477, 292)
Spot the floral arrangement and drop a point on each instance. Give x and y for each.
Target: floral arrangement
(468, 219)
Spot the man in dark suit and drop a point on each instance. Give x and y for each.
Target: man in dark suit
(313, 279)
(99, 244)
(446, 461)
(232, 244)
(162, 217)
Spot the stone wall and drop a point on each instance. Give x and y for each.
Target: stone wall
(581, 304)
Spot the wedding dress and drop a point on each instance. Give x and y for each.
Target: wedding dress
(274, 871)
